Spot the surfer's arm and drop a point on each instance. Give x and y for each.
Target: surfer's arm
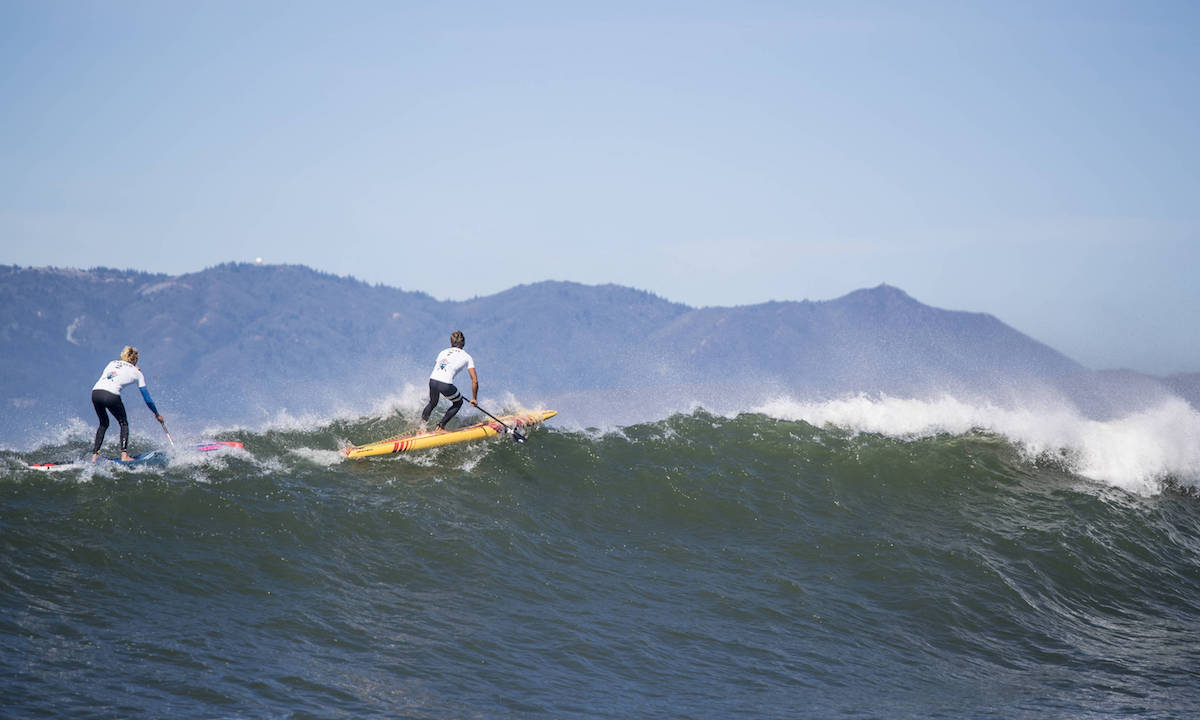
(149, 402)
(474, 385)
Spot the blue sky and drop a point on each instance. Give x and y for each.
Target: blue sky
(1039, 161)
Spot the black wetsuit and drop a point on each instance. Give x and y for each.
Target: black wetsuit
(436, 389)
(105, 402)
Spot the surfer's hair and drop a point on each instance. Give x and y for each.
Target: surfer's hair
(457, 339)
(130, 355)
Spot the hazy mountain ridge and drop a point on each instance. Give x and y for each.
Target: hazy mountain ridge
(874, 339)
(237, 338)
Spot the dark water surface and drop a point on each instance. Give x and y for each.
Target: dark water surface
(696, 567)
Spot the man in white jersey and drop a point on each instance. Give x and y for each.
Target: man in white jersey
(449, 363)
(106, 398)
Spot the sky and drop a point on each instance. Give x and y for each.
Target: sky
(1038, 161)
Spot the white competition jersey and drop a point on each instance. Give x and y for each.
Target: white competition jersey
(450, 362)
(117, 374)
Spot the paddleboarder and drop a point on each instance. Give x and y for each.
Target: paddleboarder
(449, 363)
(106, 398)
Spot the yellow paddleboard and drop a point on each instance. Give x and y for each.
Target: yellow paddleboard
(408, 443)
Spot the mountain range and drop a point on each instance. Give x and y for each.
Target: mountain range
(238, 341)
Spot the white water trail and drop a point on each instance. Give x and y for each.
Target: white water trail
(1135, 452)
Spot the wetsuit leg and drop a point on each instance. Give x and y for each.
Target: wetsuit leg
(451, 412)
(456, 400)
(434, 394)
(100, 407)
(118, 412)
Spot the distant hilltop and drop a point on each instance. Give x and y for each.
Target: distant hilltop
(239, 338)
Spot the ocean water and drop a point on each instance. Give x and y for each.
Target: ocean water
(862, 558)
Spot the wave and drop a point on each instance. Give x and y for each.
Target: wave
(938, 557)
(1141, 452)
(1137, 452)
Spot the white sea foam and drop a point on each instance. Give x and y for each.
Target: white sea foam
(72, 430)
(1135, 452)
(322, 458)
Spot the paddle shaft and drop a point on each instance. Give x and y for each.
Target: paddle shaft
(516, 433)
(168, 432)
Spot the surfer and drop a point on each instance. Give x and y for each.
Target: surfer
(449, 363)
(106, 398)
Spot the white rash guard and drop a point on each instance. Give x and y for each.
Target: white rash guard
(117, 374)
(450, 362)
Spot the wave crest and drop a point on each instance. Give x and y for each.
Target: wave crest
(1136, 452)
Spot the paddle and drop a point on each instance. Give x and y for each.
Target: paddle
(517, 436)
(168, 432)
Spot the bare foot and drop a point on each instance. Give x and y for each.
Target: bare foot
(439, 430)
(125, 457)
(95, 457)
